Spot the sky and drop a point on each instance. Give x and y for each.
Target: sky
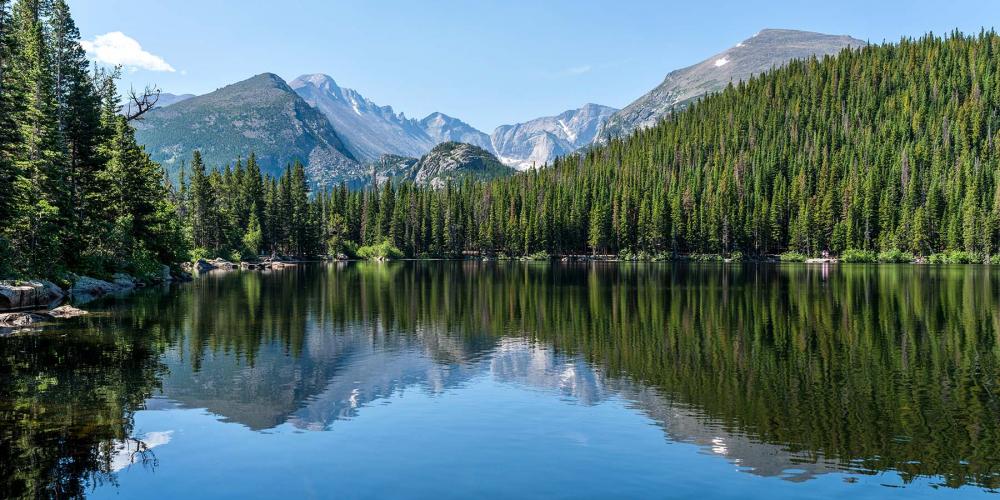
(487, 62)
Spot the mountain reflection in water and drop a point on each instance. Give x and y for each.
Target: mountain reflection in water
(785, 371)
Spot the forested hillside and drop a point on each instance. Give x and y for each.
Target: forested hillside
(883, 147)
(76, 191)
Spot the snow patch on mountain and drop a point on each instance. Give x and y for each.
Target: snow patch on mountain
(767, 49)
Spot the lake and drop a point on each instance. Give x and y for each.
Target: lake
(516, 380)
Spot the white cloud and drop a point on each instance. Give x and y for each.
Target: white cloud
(128, 451)
(578, 70)
(117, 48)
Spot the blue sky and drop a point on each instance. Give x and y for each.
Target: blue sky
(488, 62)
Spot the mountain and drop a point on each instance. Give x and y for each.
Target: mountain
(368, 130)
(454, 160)
(539, 141)
(443, 128)
(765, 50)
(166, 99)
(261, 115)
(393, 167)
(447, 161)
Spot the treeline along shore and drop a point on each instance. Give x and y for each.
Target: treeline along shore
(885, 153)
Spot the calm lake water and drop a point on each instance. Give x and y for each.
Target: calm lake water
(514, 380)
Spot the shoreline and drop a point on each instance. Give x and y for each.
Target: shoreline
(24, 303)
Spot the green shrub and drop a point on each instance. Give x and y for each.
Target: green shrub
(895, 256)
(543, 255)
(143, 264)
(995, 260)
(95, 264)
(200, 253)
(640, 256)
(381, 251)
(664, 257)
(705, 257)
(349, 248)
(859, 256)
(337, 245)
(954, 257)
(792, 257)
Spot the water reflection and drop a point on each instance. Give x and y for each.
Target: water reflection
(785, 371)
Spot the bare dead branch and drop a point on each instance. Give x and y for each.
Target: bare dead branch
(141, 103)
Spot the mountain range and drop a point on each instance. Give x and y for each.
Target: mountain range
(370, 130)
(537, 142)
(262, 115)
(342, 136)
(166, 99)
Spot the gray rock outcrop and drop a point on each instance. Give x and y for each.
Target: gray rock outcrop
(28, 294)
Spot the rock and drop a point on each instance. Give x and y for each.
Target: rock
(822, 260)
(64, 312)
(203, 265)
(222, 264)
(92, 287)
(165, 276)
(55, 293)
(19, 319)
(124, 281)
(28, 294)
(342, 256)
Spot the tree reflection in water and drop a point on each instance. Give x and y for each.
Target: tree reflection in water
(813, 369)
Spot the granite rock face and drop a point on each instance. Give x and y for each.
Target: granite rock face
(537, 142)
(447, 161)
(28, 295)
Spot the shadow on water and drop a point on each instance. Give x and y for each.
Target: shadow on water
(785, 370)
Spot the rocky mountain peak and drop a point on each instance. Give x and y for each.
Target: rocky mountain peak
(537, 142)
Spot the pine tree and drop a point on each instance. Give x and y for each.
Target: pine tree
(203, 206)
(40, 185)
(253, 238)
